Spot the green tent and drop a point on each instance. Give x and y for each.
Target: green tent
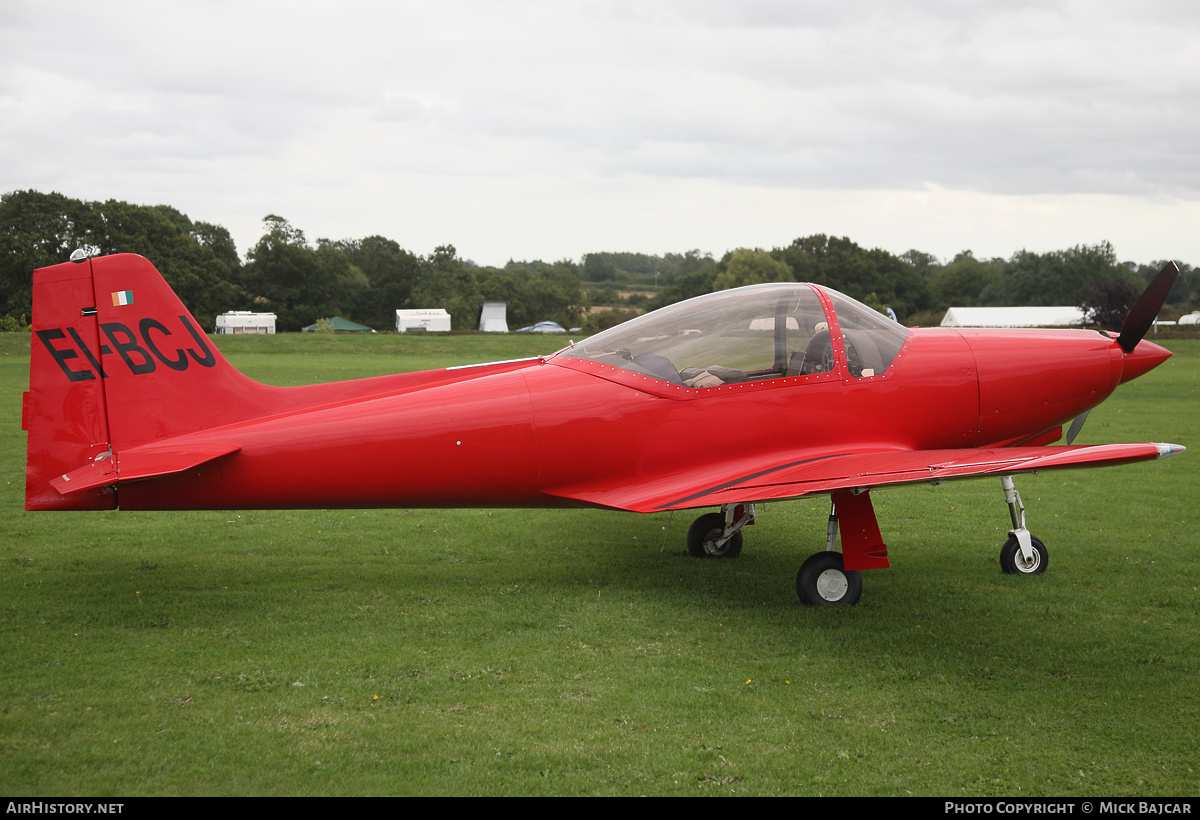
(340, 325)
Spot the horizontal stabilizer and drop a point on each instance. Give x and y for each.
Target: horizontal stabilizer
(147, 461)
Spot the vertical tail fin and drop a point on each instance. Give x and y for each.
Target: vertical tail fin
(116, 362)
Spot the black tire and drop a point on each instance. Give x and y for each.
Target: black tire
(702, 536)
(1013, 564)
(823, 580)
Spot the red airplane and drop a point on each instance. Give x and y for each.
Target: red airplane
(748, 395)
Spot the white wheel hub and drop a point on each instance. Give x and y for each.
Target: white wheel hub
(1024, 565)
(831, 585)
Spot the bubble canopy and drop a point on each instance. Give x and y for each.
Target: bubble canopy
(749, 334)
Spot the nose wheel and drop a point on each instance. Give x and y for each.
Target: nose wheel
(1022, 553)
(1015, 561)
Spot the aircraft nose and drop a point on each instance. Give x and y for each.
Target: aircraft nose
(1144, 358)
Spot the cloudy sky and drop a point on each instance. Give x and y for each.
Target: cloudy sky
(551, 129)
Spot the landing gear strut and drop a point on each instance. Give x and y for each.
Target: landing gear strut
(830, 578)
(1022, 553)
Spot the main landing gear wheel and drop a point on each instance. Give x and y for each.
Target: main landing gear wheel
(824, 581)
(1014, 563)
(703, 536)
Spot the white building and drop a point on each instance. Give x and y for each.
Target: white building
(1029, 316)
(430, 319)
(493, 317)
(245, 321)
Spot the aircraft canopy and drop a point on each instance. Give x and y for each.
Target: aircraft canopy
(751, 333)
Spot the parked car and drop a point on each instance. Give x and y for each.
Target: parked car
(543, 327)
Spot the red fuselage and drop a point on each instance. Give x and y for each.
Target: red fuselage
(524, 434)
(130, 405)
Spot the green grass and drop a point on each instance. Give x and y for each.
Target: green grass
(304, 358)
(570, 652)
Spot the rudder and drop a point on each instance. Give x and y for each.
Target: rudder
(64, 411)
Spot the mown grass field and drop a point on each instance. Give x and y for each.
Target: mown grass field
(583, 652)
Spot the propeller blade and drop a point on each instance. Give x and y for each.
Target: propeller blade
(1142, 314)
(1076, 426)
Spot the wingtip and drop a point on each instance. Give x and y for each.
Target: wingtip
(1165, 449)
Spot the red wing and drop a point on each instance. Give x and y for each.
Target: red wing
(825, 473)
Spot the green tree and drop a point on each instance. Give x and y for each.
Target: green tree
(551, 293)
(219, 241)
(963, 282)
(597, 267)
(842, 265)
(300, 283)
(752, 267)
(675, 265)
(1109, 303)
(201, 279)
(391, 274)
(446, 282)
(36, 230)
(604, 319)
(1054, 278)
(1187, 287)
(555, 293)
(687, 286)
(923, 263)
(510, 285)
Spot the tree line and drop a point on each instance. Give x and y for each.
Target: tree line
(368, 279)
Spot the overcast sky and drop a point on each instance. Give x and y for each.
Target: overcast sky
(552, 129)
